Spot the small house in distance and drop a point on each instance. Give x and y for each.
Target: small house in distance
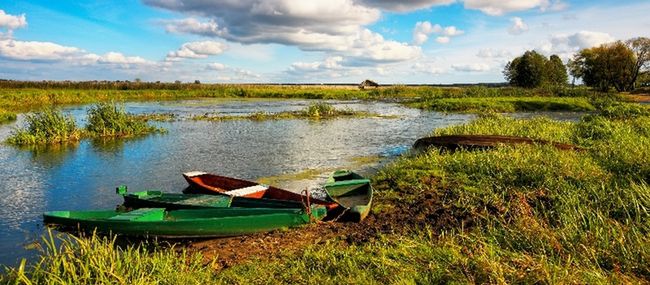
(366, 83)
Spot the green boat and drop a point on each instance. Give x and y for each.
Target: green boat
(175, 201)
(194, 223)
(352, 192)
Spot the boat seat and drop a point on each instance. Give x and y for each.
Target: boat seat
(141, 215)
(348, 182)
(247, 190)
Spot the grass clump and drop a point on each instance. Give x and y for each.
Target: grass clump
(99, 260)
(49, 126)
(111, 120)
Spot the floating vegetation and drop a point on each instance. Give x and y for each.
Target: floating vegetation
(111, 120)
(157, 117)
(49, 126)
(314, 111)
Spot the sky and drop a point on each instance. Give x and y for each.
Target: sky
(300, 41)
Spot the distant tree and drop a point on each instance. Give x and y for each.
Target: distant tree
(606, 66)
(533, 70)
(177, 82)
(138, 80)
(197, 82)
(556, 71)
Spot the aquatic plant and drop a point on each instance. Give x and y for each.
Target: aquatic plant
(111, 120)
(49, 126)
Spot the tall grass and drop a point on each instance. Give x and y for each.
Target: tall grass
(315, 111)
(49, 126)
(111, 120)
(100, 260)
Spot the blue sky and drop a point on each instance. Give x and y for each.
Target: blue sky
(317, 41)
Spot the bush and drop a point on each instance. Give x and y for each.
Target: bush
(111, 120)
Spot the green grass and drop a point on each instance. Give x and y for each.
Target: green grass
(505, 104)
(111, 120)
(49, 126)
(315, 111)
(100, 260)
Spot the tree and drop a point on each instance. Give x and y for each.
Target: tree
(605, 66)
(556, 71)
(533, 70)
(641, 48)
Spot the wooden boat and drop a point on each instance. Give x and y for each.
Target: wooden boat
(352, 192)
(175, 201)
(454, 142)
(194, 223)
(211, 183)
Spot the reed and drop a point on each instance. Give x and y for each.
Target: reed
(49, 126)
(111, 120)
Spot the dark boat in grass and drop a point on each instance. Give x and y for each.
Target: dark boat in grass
(480, 142)
(173, 201)
(191, 223)
(352, 192)
(216, 184)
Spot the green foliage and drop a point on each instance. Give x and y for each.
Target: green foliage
(99, 260)
(534, 70)
(49, 126)
(111, 120)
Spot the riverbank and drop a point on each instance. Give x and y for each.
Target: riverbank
(524, 214)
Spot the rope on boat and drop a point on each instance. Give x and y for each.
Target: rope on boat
(307, 203)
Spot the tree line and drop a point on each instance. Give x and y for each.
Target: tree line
(619, 65)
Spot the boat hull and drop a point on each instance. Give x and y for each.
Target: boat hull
(352, 193)
(196, 223)
(174, 201)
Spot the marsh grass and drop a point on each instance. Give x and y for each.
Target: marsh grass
(49, 126)
(315, 111)
(505, 104)
(67, 259)
(105, 120)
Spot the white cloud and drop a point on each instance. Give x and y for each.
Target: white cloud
(567, 44)
(201, 49)
(422, 31)
(118, 58)
(500, 7)
(215, 66)
(405, 5)
(11, 22)
(518, 26)
(39, 51)
(493, 53)
(333, 26)
(443, 40)
(473, 67)
(330, 63)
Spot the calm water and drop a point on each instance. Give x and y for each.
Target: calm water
(84, 177)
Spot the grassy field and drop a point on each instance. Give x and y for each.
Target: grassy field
(525, 214)
(505, 104)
